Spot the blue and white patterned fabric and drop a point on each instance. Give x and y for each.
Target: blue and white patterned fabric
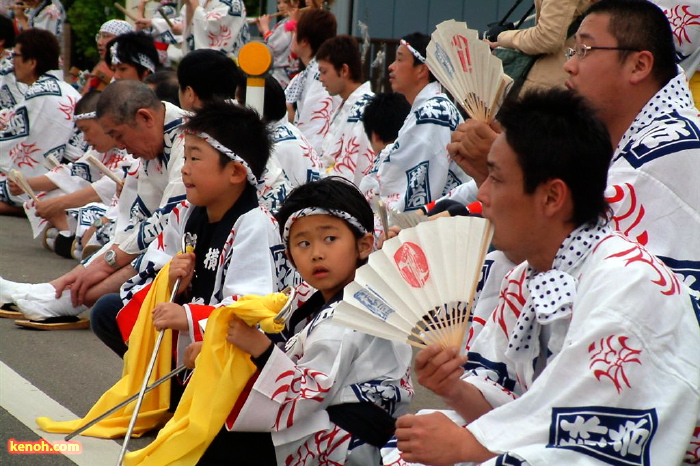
(346, 149)
(416, 169)
(653, 180)
(589, 398)
(39, 125)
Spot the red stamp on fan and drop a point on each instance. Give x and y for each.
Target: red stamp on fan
(412, 264)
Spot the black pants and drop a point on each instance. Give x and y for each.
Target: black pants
(240, 449)
(103, 320)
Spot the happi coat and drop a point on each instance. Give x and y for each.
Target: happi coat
(11, 91)
(568, 366)
(314, 106)
(346, 149)
(324, 365)
(416, 169)
(38, 126)
(294, 153)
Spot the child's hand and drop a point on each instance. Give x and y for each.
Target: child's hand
(14, 188)
(182, 266)
(247, 338)
(170, 315)
(191, 353)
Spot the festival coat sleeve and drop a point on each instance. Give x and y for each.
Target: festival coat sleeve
(624, 387)
(221, 26)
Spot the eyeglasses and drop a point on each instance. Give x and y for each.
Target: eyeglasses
(581, 50)
(103, 35)
(16, 54)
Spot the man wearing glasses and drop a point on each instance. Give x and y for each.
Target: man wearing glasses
(623, 64)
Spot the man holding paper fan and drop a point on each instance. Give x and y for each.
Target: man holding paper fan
(623, 63)
(563, 371)
(416, 169)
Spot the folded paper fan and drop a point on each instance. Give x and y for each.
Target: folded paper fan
(465, 66)
(419, 288)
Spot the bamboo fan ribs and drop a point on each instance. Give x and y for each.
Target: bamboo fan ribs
(419, 288)
(465, 66)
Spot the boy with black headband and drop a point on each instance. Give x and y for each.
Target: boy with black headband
(326, 227)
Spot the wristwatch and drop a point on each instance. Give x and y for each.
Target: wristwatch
(97, 223)
(111, 258)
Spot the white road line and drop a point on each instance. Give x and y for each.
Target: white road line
(26, 402)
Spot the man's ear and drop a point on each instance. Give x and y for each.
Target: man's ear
(145, 116)
(344, 71)
(643, 64)
(556, 198)
(365, 244)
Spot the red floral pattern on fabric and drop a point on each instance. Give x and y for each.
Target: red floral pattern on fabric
(610, 356)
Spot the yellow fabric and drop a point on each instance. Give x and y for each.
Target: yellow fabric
(155, 404)
(221, 373)
(695, 88)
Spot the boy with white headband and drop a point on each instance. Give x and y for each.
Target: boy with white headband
(353, 384)
(237, 249)
(416, 168)
(132, 56)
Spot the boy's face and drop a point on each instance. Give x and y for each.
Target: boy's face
(95, 135)
(326, 252)
(126, 71)
(330, 78)
(206, 183)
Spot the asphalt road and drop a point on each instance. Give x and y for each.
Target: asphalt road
(45, 372)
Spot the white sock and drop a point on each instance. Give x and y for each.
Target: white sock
(40, 307)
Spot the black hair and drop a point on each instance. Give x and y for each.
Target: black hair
(210, 74)
(384, 115)
(121, 100)
(88, 102)
(342, 50)
(641, 25)
(556, 135)
(238, 128)
(7, 32)
(42, 46)
(316, 26)
(165, 85)
(275, 106)
(129, 46)
(419, 42)
(332, 192)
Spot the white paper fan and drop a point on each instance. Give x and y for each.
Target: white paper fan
(419, 288)
(465, 66)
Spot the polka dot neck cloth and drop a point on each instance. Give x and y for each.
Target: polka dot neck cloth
(551, 297)
(319, 211)
(252, 179)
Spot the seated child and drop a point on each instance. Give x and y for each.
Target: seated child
(331, 395)
(237, 248)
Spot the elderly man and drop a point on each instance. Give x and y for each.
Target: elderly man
(150, 130)
(623, 63)
(562, 372)
(42, 123)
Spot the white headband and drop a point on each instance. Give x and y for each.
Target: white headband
(141, 59)
(308, 211)
(85, 116)
(116, 27)
(252, 179)
(413, 51)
